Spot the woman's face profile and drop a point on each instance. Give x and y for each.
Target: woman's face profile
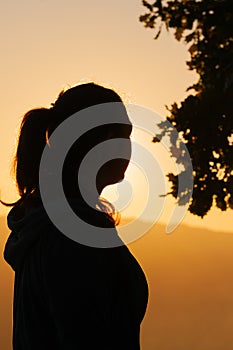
(113, 171)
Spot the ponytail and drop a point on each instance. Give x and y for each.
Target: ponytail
(30, 146)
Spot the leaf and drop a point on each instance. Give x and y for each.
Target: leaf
(155, 139)
(193, 48)
(190, 37)
(159, 32)
(230, 202)
(179, 33)
(147, 5)
(144, 18)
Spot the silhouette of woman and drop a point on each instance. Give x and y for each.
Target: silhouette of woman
(68, 295)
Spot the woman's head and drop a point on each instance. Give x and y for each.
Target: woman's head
(38, 125)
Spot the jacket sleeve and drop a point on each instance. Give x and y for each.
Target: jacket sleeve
(86, 296)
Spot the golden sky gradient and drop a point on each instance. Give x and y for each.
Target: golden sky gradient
(48, 45)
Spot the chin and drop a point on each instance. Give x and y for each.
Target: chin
(116, 181)
(122, 178)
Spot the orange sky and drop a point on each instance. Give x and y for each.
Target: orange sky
(50, 44)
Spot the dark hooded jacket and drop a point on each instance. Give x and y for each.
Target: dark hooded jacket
(68, 296)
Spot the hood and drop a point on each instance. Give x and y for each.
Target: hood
(25, 226)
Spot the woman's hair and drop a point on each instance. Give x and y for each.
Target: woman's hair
(38, 124)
